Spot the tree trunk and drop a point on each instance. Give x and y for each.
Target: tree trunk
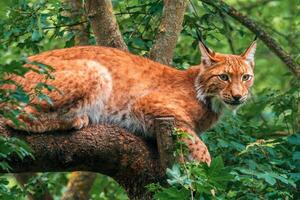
(79, 186)
(81, 31)
(168, 31)
(104, 24)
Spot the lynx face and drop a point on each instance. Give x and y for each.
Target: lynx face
(226, 78)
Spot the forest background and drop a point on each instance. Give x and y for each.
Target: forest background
(257, 148)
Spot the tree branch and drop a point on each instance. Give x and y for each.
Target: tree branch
(104, 24)
(260, 32)
(168, 31)
(109, 150)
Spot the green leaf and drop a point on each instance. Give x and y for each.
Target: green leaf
(296, 155)
(294, 139)
(216, 165)
(175, 176)
(44, 97)
(267, 177)
(5, 166)
(172, 193)
(36, 36)
(295, 176)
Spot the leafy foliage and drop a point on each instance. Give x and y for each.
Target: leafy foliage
(263, 158)
(193, 180)
(189, 179)
(105, 188)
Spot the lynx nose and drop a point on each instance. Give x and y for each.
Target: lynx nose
(237, 97)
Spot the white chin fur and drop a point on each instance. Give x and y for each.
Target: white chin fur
(218, 106)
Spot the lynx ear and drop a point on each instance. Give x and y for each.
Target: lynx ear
(248, 55)
(207, 55)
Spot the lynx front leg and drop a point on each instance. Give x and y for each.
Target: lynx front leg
(156, 106)
(197, 149)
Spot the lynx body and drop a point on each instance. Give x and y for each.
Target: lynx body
(106, 85)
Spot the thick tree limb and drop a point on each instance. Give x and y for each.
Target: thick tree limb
(168, 31)
(104, 24)
(261, 34)
(109, 150)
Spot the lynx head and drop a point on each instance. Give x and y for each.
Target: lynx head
(225, 79)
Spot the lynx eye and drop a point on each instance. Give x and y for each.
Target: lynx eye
(224, 77)
(246, 77)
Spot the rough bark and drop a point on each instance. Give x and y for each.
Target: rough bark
(104, 23)
(79, 186)
(291, 64)
(81, 31)
(168, 31)
(130, 160)
(165, 144)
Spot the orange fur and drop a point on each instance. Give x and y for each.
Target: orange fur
(106, 85)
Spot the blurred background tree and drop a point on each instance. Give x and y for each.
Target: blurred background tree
(259, 143)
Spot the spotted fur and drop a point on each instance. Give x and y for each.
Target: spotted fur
(106, 85)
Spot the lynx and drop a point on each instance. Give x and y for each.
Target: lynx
(106, 85)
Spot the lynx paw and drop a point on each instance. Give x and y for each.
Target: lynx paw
(80, 122)
(199, 152)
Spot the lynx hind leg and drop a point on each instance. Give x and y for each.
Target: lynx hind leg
(25, 121)
(80, 93)
(37, 122)
(43, 122)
